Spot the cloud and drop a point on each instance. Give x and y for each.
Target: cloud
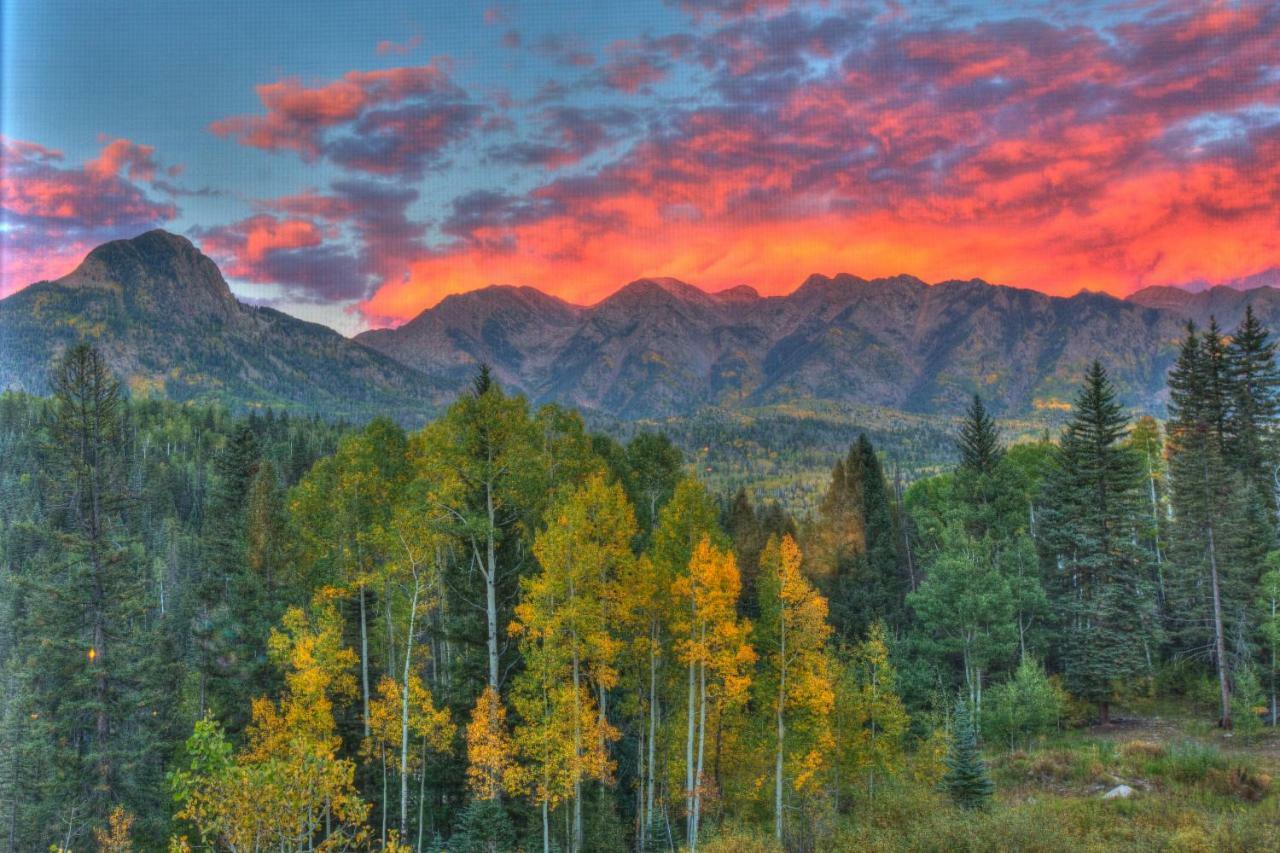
(393, 121)
(52, 214)
(568, 135)
(409, 45)
(321, 246)
(1053, 156)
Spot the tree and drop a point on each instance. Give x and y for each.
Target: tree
(229, 623)
(857, 545)
(797, 683)
(966, 780)
(1025, 706)
(100, 675)
(979, 440)
(491, 769)
(1255, 381)
(652, 472)
(870, 720)
(1101, 581)
(341, 517)
(1205, 498)
(481, 460)
(689, 518)
(286, 787)
(1269, 627)
(713, 643)
(966, 606)
(564, 616)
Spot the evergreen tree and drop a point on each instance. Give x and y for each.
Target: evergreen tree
(227, 597)
(967, 781)
(1100, 577)
(1208, 541)
(1251, 362)
(865, 582)
(100, 669)
(979, 439)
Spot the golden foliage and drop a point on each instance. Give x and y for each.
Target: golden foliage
(490, 765)
(116, 837)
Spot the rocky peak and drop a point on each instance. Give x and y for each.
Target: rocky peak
(157, 268)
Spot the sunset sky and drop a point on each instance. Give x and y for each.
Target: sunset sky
(356, 166)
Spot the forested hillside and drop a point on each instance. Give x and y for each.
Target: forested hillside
(503, 631)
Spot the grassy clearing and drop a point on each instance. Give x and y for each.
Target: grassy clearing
(1195, 789)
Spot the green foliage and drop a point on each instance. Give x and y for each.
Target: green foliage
(1101, 594)
(966, 781)
(1022, 708)
(483, 827)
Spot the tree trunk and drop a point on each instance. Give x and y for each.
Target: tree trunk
(404, 712)
(653, 730)
(577, 752)
(1219, 641)
(780, 720)
(702, 748)
(491, 588)
(364, 662)
(546, 829)
(688, 756)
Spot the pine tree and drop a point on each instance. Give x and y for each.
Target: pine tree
(1251, 362)
(1100, 577)
(99, 698)
(967, 781)
(227, 597)
(865, 579)
(979, 439)
(1208, 537)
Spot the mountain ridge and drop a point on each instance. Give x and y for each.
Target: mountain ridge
(657, 347)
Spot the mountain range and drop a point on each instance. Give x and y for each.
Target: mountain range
(656, 348)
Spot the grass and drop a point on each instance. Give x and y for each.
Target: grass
(1195, 789)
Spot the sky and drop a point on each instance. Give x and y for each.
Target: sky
(355, 163)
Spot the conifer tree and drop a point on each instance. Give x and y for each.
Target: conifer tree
(1251, 362)
(858, 540)
(99, 698)
(979, 439)
(1207, 545)
(966, 781)
(1100, 580)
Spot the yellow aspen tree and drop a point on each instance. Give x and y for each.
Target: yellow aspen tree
(491, 769)
(714, 644)
(568, 606)
(689, 517)
(560, 735)
(871, 722)
(287, 786)
(792, 638)
(388, 720)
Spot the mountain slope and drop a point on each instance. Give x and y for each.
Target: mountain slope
(167, 322)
